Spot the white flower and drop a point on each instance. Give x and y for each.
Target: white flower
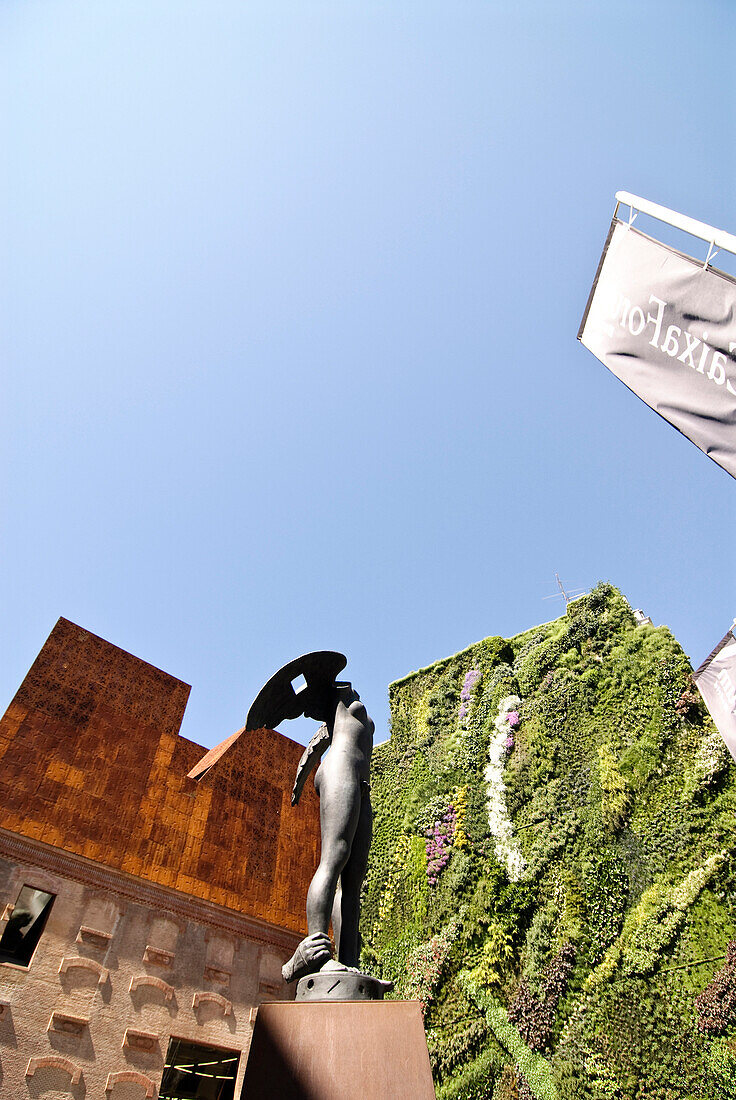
(499, 822)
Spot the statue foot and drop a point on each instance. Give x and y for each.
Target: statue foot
(310, 955)
(334, 966)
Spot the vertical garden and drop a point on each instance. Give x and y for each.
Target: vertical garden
(553, 866)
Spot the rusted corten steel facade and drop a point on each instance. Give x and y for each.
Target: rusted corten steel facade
(197, 889)
(91, 761)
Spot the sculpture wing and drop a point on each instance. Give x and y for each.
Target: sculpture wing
(310, 757)
(278, 700)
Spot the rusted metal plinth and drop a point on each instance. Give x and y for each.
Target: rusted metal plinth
(338, 1050)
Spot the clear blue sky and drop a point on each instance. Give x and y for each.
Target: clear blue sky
(291, 294)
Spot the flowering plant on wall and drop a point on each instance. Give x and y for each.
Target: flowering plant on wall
(439, 844)
(398, 865)
(499, 822)
(460, 802)
(716, 1005)
(471, 679)
(425, 965)
(444, 834)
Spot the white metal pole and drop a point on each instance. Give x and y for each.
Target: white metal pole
(717, 237)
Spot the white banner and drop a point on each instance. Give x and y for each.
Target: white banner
(716, 681)
(665, 324)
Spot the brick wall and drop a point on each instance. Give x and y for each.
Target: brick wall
(121, 968)
(91, 762)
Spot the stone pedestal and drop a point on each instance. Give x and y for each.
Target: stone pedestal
(338, 1050)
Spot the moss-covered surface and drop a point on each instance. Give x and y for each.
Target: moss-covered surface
(553, 866)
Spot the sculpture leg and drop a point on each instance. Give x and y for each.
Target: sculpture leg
(351, 882)
(339, 811)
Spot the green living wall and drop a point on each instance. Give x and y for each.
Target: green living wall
(553, 869)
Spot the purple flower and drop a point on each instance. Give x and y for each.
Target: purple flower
(438, 842)
(513, 718)
(509, 743)
(471, 679)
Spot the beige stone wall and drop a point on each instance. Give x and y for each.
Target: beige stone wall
(161, 964)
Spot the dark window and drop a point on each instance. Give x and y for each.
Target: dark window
(24, 928)
(194, 1071)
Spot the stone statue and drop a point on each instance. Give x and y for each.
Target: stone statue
(308, 686)
(343, 785)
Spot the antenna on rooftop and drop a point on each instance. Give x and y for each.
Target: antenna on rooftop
(567, 595)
